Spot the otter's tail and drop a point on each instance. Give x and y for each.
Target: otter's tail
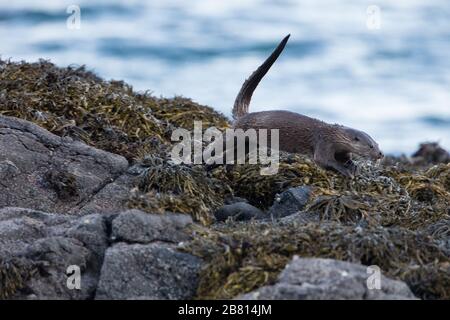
(245, 94)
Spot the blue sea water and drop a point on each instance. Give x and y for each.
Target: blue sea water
(391, 80)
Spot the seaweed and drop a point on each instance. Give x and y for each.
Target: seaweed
(394, 217)
(182, 112)
(64, 183)
(243, 257)
(14, 274)
(164, 186)
(106, 114)
(395, 214)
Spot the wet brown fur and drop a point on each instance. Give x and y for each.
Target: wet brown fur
(330, 145)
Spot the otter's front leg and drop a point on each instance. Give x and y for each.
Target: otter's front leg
(325, 157)
(344, 158)
(348, 169)
(354, 169)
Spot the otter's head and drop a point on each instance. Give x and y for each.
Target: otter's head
(360, 143)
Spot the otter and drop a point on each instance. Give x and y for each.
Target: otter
(331, 146)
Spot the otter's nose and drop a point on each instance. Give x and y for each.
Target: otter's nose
(380, 154)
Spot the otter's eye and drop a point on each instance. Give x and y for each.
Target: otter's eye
(356, 139)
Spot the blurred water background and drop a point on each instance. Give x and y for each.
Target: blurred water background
(387, 74)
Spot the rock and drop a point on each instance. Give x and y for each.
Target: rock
(290, 201)
(431, 153)
(150, 271)
(47, 244)
(315, 278)
(301, 218)
(56, 254)
(231, 200)
(20, 227)
(8, 170)
(42, 171)
(239, 211)
(110, 199)
(91, 230)
(140, 227)
(36, 249)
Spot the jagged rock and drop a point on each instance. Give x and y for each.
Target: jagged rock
(56, 254)
(315, 278)
(47, 244)
(42, 171)
(150, 271)
(110, 199)
(50, 243)
(140, 227)
(20, 227)
(146, 264)
(92, 230)
(239, 211)
(290, 201)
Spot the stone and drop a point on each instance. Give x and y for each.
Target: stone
(42, 171)
(239, 211)
(49, 243)
(431, 152)
(141, 227)
(231, 200)
(328, 279)
(111, 198)
(148, 271)
(290, 201)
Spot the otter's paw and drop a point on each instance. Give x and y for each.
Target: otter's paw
(353, 169)
(344, 171)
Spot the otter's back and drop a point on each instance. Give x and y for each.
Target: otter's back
(296, 130)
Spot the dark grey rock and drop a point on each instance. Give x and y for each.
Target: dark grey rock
(55, 255)
(150, 271)
(290, 201)
(110, 199)
(315, 278)
(8, 170)
(239, 211)
(431, 152)
(42, 171)
(20, 227)
(140, 227)
(52, 243)
(92, 232)
(231, 200)
(301, 218)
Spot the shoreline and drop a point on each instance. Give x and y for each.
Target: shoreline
(86, 180)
